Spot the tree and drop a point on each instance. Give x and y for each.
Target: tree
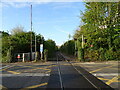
(17, 30)
(100, 26)
(68, 47)
(6, 53)
(19, 42)
(50, 45)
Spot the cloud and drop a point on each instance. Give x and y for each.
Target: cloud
(41, 0)
(63, 5)
(52, 22)
(25, 3)
(61, 30)
(59, 0)
(17, 5)
(55, 21)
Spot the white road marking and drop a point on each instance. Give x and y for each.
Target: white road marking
(61, 83)
(4, 67)
(106, 74)
(24, 74)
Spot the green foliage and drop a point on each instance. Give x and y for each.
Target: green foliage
(68, 47)
(50, 45)
(19, 42)
(109, 55)
(7, 58)
(101, 30)
(101, 54)
(81, 51)
(112, 55)
(17, 30)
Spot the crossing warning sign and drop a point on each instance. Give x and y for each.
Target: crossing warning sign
(18, 56)
(41, 48)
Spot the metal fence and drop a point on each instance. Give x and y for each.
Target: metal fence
(23, 57)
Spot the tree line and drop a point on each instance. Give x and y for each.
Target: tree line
(19, 41)
(101, 31)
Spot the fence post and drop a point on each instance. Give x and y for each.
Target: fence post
(45, 54)
(23, 57)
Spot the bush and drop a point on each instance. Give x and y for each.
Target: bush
(102, 54)
(81, 55)
(7, 58)
(112, 55)
(92, 55)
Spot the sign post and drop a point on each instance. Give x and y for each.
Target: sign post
(18, 56)
(41, 51)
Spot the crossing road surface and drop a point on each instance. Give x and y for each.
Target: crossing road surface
(50, 75)
(69, 77)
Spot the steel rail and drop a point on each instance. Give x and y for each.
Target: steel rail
(59, 72)
(81, 73)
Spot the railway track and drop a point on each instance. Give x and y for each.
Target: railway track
(67, 76)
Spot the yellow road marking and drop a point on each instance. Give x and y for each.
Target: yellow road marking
(100, 69)
(7, 68)
(114, 68)
(65, 64)
(103, 78)
(48, 71)
(13, 72)
(88, 66)
(40, 68)
(44, 68)
(37, 69)
(25, 66)
(115, 79)
(35, 86)
(51, 66)
(66, 60)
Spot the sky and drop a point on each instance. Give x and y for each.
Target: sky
(53, 20)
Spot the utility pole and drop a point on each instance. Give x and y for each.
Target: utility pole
(31, 37)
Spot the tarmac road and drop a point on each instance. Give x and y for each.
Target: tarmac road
(60, 75)
(25, 75)
(70, 78)
(73, 77)
(107, 72)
